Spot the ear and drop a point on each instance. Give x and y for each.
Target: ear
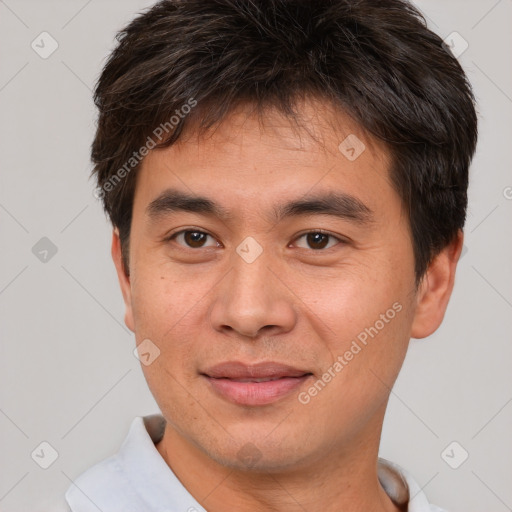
(124, 279)
(435, 289)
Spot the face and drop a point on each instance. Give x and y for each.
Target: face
(274, 273)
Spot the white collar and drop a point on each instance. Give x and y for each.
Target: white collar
(138, 478)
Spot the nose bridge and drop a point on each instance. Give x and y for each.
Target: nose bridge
(250, 284)
(250, 299)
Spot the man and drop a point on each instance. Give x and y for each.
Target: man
(287, 182)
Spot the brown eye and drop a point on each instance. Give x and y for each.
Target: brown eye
(194, 239)
(316, 240)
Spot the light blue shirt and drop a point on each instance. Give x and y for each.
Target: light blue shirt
(137, 479)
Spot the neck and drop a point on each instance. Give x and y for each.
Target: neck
(339, 480)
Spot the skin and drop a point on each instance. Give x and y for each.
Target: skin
(294, 304)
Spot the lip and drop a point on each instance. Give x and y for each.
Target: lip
(256, 384)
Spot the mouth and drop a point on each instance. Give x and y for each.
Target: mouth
(259, 384)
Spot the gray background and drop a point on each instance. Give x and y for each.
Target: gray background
(68, 374)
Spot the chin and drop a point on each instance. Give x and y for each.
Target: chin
(258, 455)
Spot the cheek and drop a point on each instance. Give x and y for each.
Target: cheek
(349, 299)
(171, 309)
(165, 312)
(164, 299)
(366, 322)
(367, 354)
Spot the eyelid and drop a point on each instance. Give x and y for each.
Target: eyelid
(168, 237)
(339, 238)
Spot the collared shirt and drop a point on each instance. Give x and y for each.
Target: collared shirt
(137, 479)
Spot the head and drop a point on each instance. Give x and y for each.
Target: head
(287, 181)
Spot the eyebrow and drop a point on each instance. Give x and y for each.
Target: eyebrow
(173, 200)
(342, 205)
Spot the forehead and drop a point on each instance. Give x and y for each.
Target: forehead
(317, 126)
(250, 158)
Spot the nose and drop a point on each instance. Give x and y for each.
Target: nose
(250, 301)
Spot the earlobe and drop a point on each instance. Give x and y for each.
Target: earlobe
(435, 289)
(124, 279)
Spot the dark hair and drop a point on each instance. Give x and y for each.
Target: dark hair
(375, 60)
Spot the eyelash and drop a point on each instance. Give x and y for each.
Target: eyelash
(321, 232)
(183, 231)
(301, 235)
